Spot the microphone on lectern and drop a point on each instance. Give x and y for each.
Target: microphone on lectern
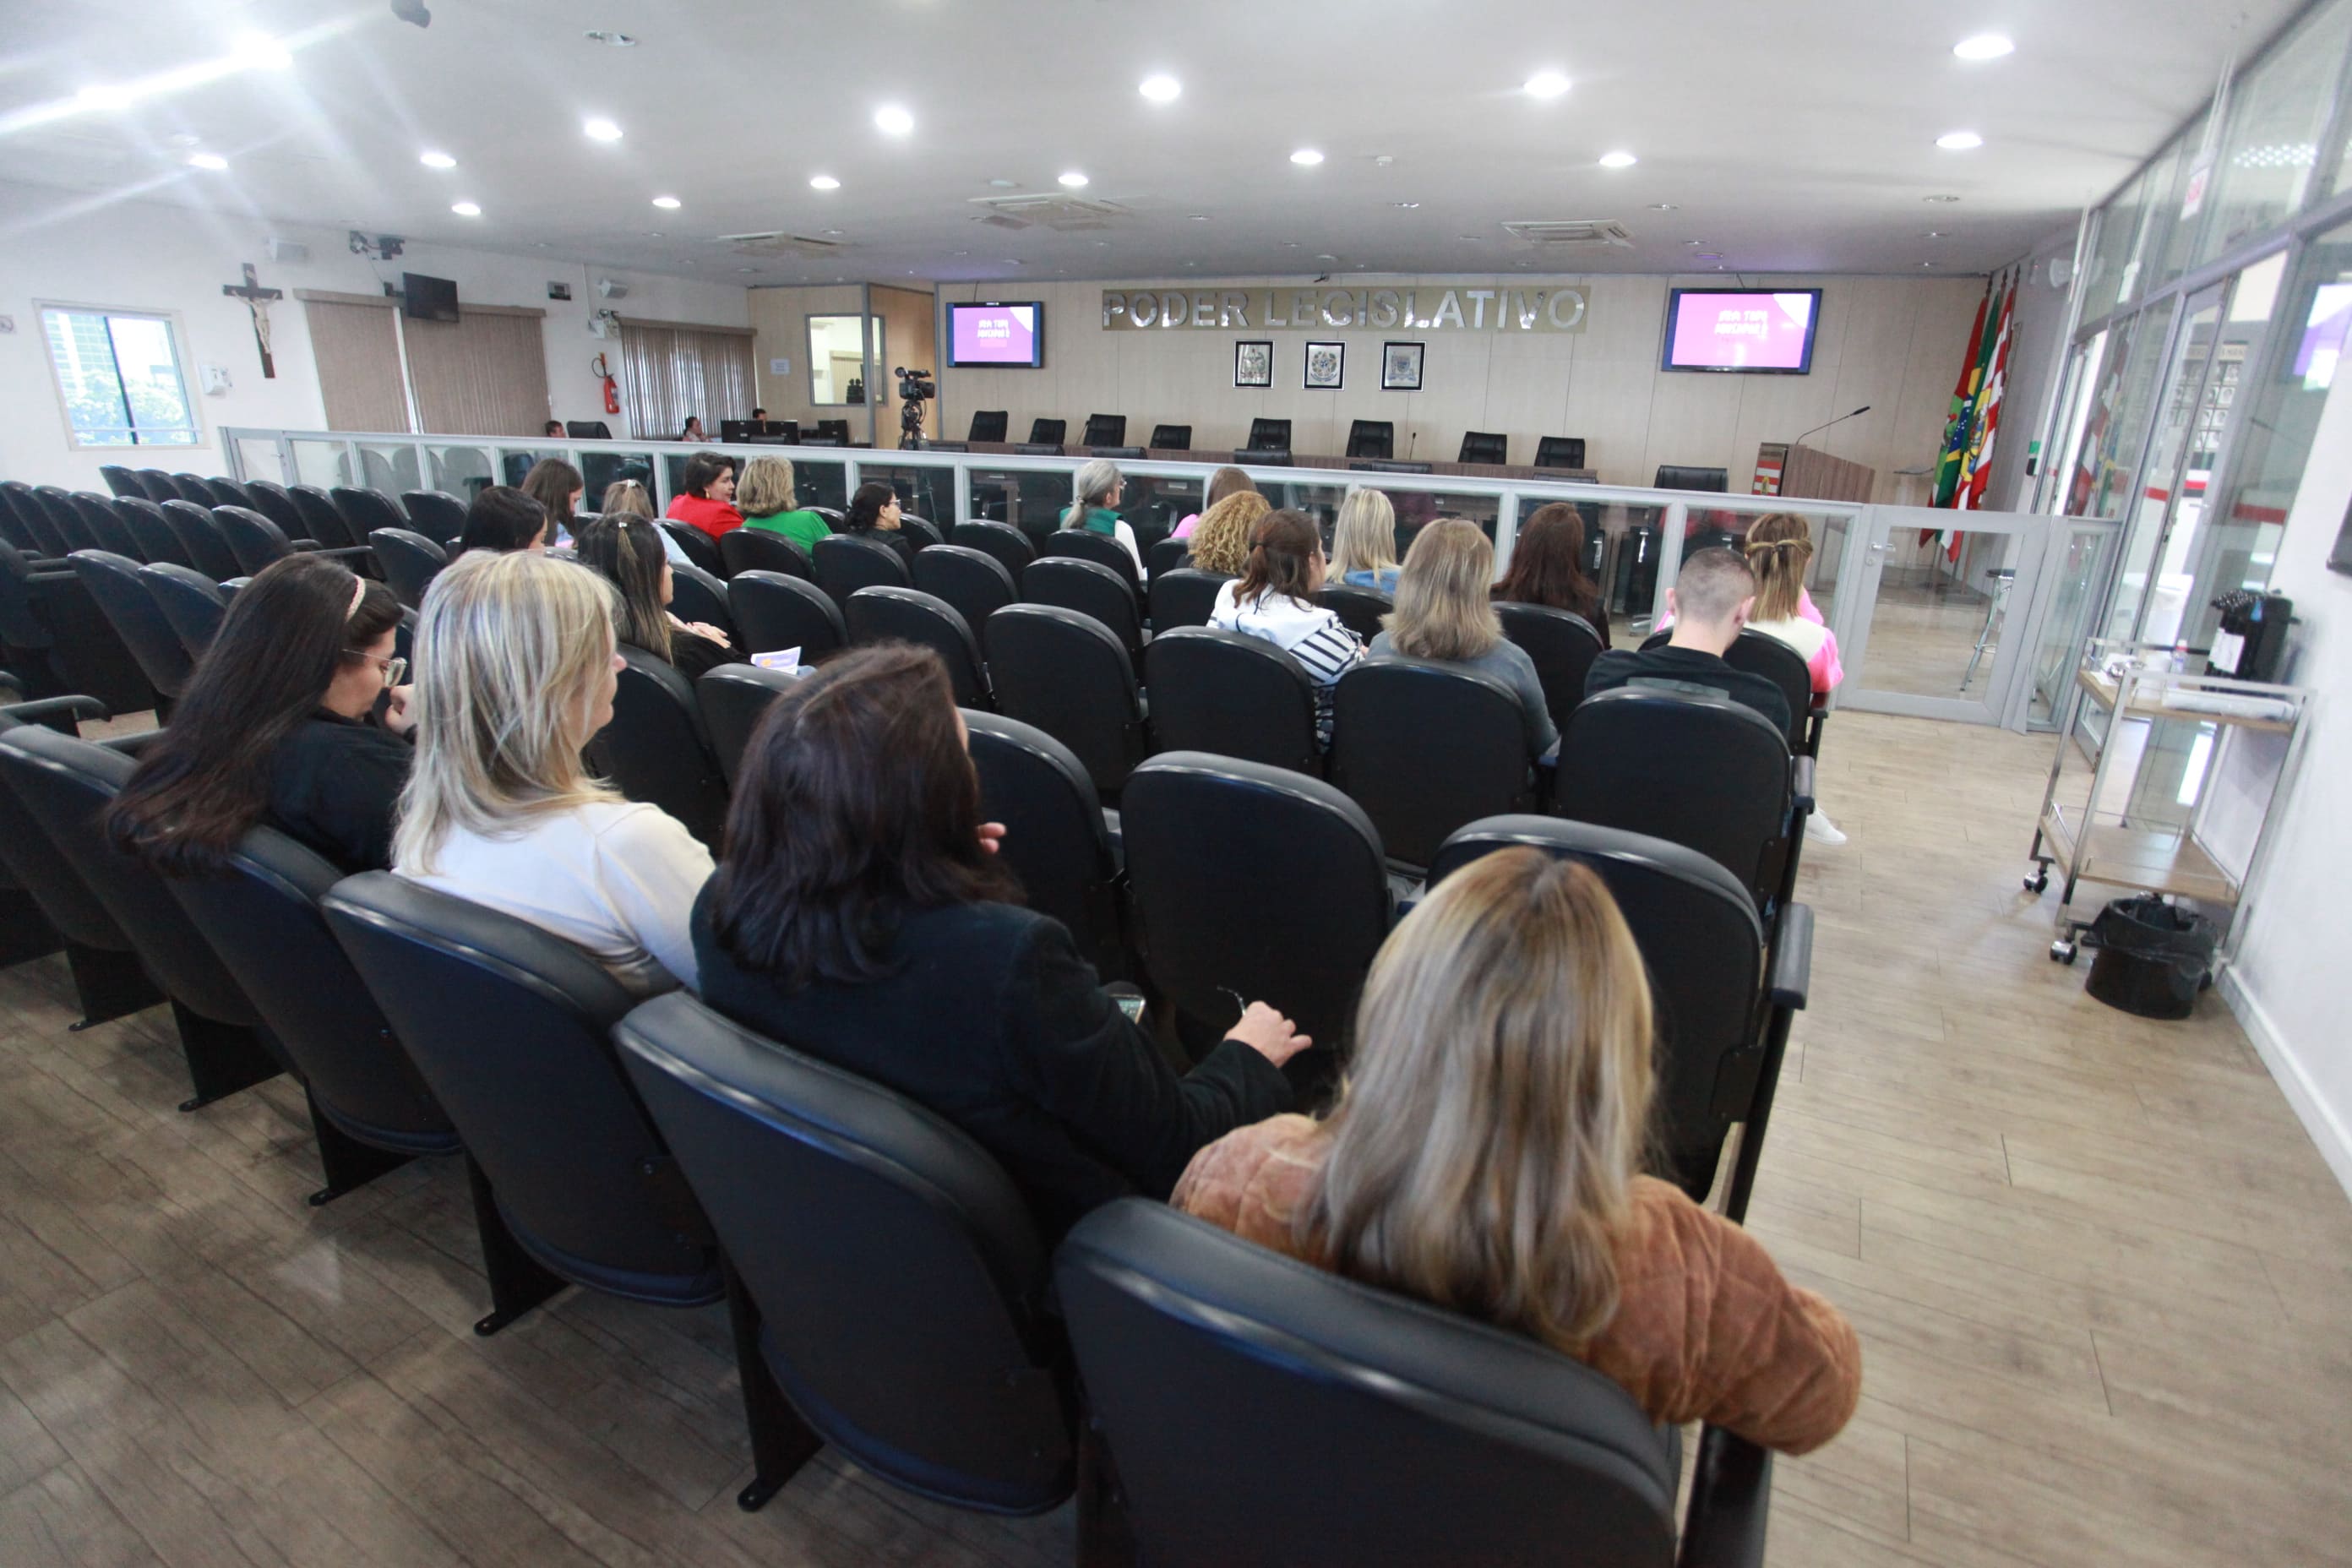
(1839, 420)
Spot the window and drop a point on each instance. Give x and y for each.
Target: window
(837, 359)
(119, 378)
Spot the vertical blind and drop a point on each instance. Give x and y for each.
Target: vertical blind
(483, 375)
(358, 358)
(670, 371)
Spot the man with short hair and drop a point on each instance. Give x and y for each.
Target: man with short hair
(1709, 602)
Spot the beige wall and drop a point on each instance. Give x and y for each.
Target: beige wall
(909, 335)
(780, 316)
(1891, 342)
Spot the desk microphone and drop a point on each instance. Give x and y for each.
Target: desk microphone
(1413, 439)
(1818, 428)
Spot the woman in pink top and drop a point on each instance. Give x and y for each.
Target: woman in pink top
(1225, 482)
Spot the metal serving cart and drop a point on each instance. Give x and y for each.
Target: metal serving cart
(2165, 781)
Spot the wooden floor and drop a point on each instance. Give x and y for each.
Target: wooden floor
(2103, 1284)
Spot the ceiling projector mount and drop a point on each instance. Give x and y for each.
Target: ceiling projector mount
(376, 246)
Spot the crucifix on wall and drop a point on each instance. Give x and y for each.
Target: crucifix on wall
(256, 299)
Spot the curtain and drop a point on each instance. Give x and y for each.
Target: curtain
(358, 357)
(483, 375)
(669, 371)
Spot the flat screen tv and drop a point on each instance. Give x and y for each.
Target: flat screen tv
(423, 298)
(1767, 331)
(1010, 333)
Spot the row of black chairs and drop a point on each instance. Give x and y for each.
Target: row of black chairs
(1105, 435)
(888, 1291)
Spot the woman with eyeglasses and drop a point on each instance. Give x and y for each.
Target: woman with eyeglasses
(296, 716)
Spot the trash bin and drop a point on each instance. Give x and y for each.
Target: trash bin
(2153, 958)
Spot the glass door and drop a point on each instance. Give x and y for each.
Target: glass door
(2146, 594)
(1931, 621)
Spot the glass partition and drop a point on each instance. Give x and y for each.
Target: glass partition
(600, 470)
(391, 467)
(2082, 566)
(460, 471)
(924, 491)
(2278, 116)
(323, 462)
(2106, 282)
(2177, 458)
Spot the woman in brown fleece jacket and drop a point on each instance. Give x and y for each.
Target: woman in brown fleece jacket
(1485, 1158)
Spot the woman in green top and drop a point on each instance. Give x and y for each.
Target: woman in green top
(764, 496)
(1099, 486)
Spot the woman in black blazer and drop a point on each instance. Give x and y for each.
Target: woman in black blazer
(860, 915)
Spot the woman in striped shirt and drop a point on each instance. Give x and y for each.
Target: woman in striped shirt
(1274, 601)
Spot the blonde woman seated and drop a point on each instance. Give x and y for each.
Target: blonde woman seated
(1221, 542)
(1100, 485)
(1363, 542)
(1485, 1156)
(516, 673)
(1443, 616)
(1274, 601)
(768, 499)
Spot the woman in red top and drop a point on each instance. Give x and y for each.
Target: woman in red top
(706, 495)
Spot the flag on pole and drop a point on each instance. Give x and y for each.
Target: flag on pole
(1988, 414)
(1956, 427)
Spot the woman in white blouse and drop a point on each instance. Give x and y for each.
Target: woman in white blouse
(516, 671)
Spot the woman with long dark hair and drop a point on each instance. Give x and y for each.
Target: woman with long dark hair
(1274, 601)
(557, 486)
(278, 725)
(874, 514)
(859, 914)
(1548, 567)
(502, 519)
(626, 551)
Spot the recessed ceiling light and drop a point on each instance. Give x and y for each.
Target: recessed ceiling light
(667, 204)
(1959, 141)
(893, 120)
(1198, 218)
(618, 40)
(466, 209)
(212, 161)
(1407, 205)
(1102, 245)
(1694, 244)
(1545, 84)
(1011, 261)
(1006, 184)
(1983, 47)
(1944, 199)
(1927, 264)
(256, 52)
(652, 234)
(1936, 234)
(836, 231)
(823, 183)
(601, 130)
(436, 159)
(1290, 245)
(1073, 179)
(1161, 88)
(1618, 160)
(106, 95)
(964, 253)
(743, 269)
(1710, 255)
(1306, 157)
(1471, 238)
(1325, 255)
(1662, 207)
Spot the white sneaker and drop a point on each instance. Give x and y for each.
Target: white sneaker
(1820, 830)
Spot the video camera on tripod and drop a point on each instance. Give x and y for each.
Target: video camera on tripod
(914, 387)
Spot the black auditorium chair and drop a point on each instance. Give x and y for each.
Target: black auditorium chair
(108, 978)
(227, 492)
(1694, 769)
(1105, 431)
(1761, 653)
(28, 649)
(119, 480)
(1360, 609)
(103, 523)
(1269, 435)
(65, 518)
(253, 539)
(1684, 476)
(988, 425)
(1485, 447)
(436, 514)
(58, 639)
(201, 538)
(369, 1107)
(698, 595)
(1047, 432)
(882, 1270)
(1725, 1000)
(1012, 548)
(909, 614)
(409, 563)
(196, 489)
(1228, 863)
(324, 521)
(846, 562)
(1424, 749)
(1560, 452)
(734, 698)
(762, 549)
(66, 784)
(775, 613)
(587, 430)
(511, 1029)
(974, 580)
(1100, 548)
(1562, 644)
(24, 525)
(1090, 589)
(157, 543)
(658, 748)
(1409, 1434)
(364, 511)
(1168, 554)
(921, 531)
(833, 430)
(1057, 838)
(158, 486)
(1185, 596)
(1172, 438)
(1069, 675)
(277, 504)
(191, 604)
(112, 583)
(1234, 695)
(697, 546)
(1372, 438)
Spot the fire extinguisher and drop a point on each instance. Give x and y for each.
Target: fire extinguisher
(612, 388)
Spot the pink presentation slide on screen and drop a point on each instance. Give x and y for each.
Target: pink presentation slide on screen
(1741, 331)
(996, 334)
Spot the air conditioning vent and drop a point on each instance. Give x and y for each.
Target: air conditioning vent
(1061, 214)
(1577, 231)
(778, 242)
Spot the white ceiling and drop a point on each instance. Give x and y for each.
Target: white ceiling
(1795, 136)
